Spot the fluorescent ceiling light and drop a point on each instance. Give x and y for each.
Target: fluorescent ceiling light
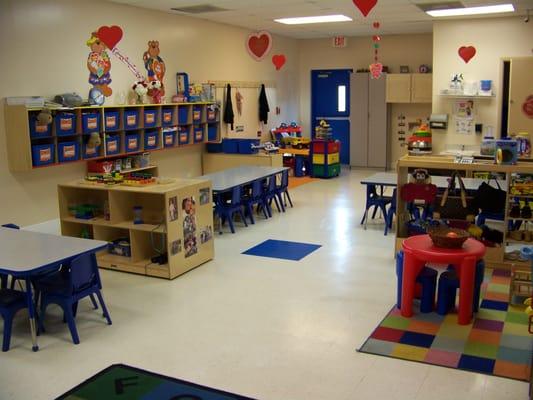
(453, 12)
(313, 20)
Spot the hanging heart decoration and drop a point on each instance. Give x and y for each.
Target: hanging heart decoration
(467, 53)
(110, 35)
(376, 69)
(258, 44)
(365, 6)
(279, 61)
(527, 106)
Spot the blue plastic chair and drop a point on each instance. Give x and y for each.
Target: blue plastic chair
(254, 197)
(389, 216)
(4, 277)
(282, 190)
(226, 209)
(427, 278)
(270, 194)
(448, 285)
(11, 301)
(68, 289)
(378, 201)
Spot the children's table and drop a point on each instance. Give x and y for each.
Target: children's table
(419, 250)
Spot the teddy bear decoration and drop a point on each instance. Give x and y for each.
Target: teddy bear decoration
(99, 65)
(155, 67)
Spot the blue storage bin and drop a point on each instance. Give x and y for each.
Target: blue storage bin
(150, 118)
(131, 119)
(183, 135)
(111, 121)
(42, 154)
(90, 122)
(39, 131)
(197, 113)
(230, 146)
(87, 153)
(65, 124)
(112, 145)
(198, 134)
(214, 147)
(245, 146)
(151, 140)
(132, 143)
(212, 133)
(169, 138)
(183, 115)
(167, 117)
(68, 151)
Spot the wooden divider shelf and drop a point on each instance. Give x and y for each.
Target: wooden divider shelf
(177, 223)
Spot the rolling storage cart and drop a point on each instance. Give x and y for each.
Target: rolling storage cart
(325, 158)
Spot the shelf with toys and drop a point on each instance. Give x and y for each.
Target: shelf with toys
(158, 227)
(42, 137)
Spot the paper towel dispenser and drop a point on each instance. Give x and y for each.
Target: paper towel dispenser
(438, 121)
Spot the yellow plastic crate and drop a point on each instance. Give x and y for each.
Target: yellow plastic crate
(320, 159)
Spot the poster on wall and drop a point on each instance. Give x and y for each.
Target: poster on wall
(188, 205)
(464, 109)
(464, 126)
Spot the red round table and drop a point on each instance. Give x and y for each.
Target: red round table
(419, 250)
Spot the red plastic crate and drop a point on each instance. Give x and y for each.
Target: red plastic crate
(320, 146)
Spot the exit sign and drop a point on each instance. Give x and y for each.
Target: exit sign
(340, 41)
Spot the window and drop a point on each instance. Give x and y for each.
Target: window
(341, 104)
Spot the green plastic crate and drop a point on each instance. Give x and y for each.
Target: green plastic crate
(320, 170)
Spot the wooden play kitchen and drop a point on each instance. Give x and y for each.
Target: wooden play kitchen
(163, 229)
(122, 130)
(510, 178)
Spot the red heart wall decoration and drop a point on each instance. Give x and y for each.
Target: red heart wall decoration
(365, 6)
(110, 35)
(279, 61)
(259, 44)
(467, 53)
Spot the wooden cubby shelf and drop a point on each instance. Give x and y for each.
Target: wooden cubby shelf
(177, 221)
(124, 130)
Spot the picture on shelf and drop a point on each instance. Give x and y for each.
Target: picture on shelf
(206, 234)
(188, 205)
(173, 208)
(204, 196)
(175, 247)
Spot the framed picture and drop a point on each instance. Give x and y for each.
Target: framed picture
(404, 69)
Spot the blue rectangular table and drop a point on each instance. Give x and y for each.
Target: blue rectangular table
(25, 254)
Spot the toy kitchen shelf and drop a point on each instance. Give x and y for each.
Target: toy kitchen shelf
(164, 228)
(123, 130)
(495, 256)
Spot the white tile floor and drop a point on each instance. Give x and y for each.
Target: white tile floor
(266, 328)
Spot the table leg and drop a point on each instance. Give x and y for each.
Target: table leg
(411, 268)
(31, 311)
(466, 290)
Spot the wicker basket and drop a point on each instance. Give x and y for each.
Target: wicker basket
(439, 238)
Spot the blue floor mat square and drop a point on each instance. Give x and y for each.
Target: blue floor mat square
(282, 249)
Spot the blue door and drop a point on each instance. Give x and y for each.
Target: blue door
(330, 101)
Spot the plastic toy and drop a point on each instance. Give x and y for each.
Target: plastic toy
(84, 211)
(296, 141)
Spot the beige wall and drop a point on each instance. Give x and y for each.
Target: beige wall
(43, 49)
(395, 50)
(494, 39)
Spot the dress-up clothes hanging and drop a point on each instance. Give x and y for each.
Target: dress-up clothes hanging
(229, 116)
(263, 106)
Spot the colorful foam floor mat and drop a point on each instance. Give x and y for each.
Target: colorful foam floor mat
(497, 341)
(122, 382)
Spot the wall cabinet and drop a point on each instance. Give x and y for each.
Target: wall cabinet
(123, 130)
(369, 122)
(409, 88)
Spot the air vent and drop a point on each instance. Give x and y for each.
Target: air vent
(199, 9)
(445, 5)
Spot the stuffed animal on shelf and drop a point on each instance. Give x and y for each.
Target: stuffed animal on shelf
(420, 176)
(99, 65)
(154, 90)
(44, 117)
(154, 64)
(140, 88)
(94, 140)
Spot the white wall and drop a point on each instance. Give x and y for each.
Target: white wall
(43, 49)
(494, 39)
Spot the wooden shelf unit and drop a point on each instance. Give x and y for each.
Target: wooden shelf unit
(495, 256)
(158, 234)
(19, 142)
